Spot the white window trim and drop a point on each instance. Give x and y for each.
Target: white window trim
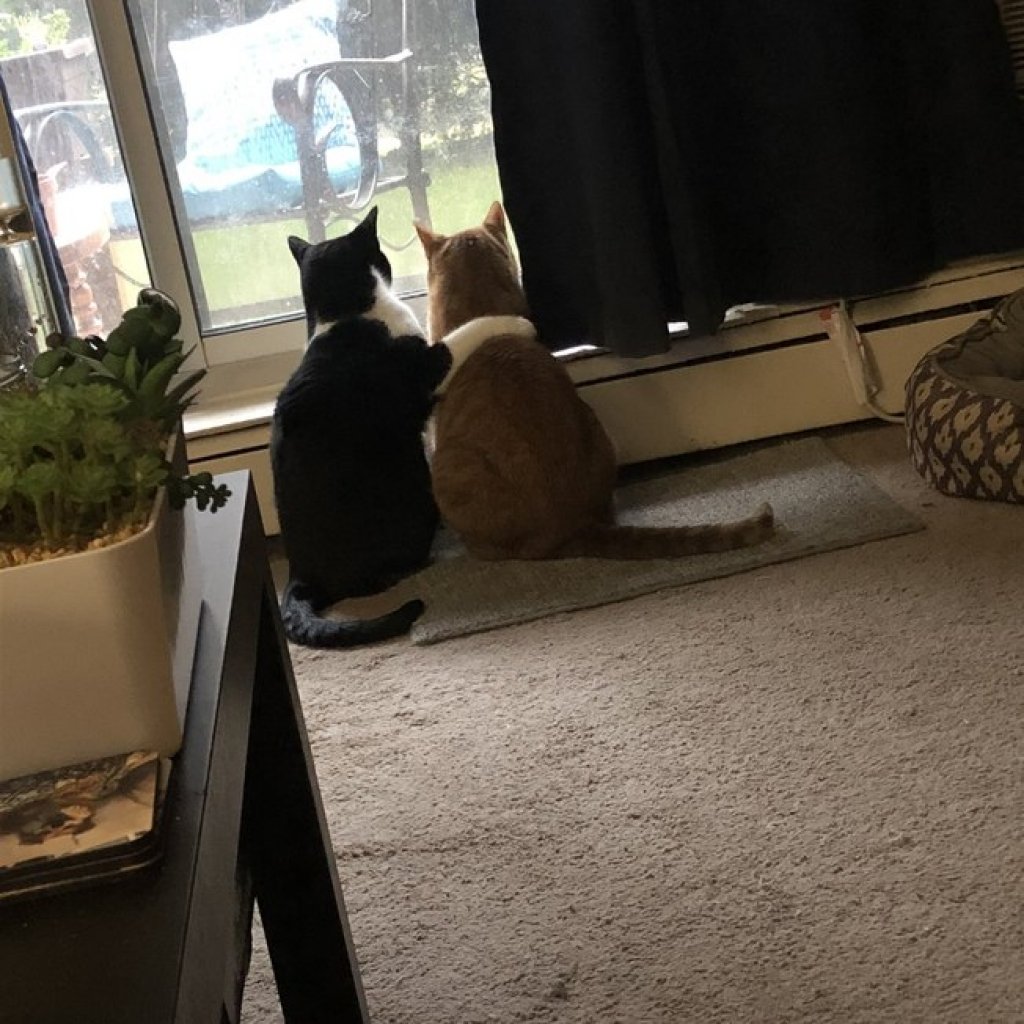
(115, 44)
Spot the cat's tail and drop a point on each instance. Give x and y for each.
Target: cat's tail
(303, 625)
(640, 542)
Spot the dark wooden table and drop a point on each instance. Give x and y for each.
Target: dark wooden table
(244, 818)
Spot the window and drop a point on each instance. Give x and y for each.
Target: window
(195, 161)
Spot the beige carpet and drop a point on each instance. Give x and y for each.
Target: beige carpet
(794, 794)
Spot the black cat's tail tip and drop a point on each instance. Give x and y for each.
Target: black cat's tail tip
(302, 624)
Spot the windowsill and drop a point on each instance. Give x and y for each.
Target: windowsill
(240, 395)
(240, 413)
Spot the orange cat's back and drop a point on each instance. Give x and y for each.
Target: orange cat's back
(515, 443)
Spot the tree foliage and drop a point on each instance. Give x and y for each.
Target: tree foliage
(28, 25)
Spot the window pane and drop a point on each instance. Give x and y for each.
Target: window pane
(49, 63)
(397, 116)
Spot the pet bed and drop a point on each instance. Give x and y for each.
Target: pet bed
(965, 409)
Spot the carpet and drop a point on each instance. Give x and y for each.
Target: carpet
(790, 796)
(820, 504)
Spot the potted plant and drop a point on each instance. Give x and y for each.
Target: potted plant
(99, 594)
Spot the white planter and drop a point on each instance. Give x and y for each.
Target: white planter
(96, 648)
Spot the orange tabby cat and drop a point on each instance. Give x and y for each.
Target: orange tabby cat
(522, 468)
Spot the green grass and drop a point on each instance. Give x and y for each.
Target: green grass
(250, 265)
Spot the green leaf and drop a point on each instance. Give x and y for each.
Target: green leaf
(106, 438)
(97, 399)
(176, 395)
(119, 342)
(8, 476)
(39, 480)
(52, 418)
(91, 482)
(115, 364)
(134, 331)
(47, 363)
(97, 366)
(77, 373)
(201, 489)
(155, 382)
(145, 472)
(132, 369)
(22, 423)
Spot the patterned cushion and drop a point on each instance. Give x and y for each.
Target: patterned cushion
(967, 438)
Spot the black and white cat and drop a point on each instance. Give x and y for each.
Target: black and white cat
(351, 479)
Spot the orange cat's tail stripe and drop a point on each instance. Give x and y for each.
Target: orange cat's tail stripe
(639, 542)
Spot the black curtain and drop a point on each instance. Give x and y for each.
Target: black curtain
(663, 160)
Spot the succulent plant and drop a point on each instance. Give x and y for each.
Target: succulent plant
(83, 449)
(140, 357)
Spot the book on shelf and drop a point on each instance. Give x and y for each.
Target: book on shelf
(82, 823)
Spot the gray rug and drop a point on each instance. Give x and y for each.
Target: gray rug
(820, 504)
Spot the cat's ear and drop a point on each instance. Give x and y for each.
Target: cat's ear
(495, 219)
(368, 225)
(298, 247)
(430, 240)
